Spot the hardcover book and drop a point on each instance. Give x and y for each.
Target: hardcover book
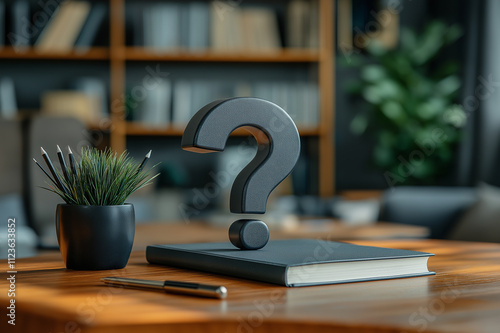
(295, 263)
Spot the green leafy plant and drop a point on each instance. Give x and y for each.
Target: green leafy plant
(101, 178)
(412, 115)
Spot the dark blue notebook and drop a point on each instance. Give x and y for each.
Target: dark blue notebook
(295, 263)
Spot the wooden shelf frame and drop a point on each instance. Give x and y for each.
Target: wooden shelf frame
(94, 53)
(139, 129)
(283, 56)
(324, 57)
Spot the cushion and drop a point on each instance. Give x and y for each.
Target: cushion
(481, 222)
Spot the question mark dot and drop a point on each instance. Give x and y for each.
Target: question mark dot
(248, 234)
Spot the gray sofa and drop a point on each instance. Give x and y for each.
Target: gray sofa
(459, 213)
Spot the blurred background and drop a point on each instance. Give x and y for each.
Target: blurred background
(396, 102)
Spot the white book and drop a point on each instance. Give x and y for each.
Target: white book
(166, 26)
(293, 103)
(226, 33)
(96, 89)
(263, 89)
(314, 118)
(243, 89)
(297, 21)
(8, 103)
(260, 29)
(183, 37)
(303, 102)
(202, 94)
(156, 108)
(310, 95)
(182, 107)
(198, 25)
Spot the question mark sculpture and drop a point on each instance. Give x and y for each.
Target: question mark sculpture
(278, 151)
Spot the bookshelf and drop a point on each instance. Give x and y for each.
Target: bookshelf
(119, 55)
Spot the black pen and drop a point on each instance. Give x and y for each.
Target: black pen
(72, 163)
(52, 170)
(176, 287)
(62, 163)
(144, 161)
(45, 172)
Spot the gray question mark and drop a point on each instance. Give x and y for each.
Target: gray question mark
(278, 151)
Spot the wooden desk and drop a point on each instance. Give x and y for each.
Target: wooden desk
(464, 296)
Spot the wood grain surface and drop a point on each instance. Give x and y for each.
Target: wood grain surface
(464, 296)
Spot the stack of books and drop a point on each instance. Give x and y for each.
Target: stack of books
(73, 25)
(222, 26)
(174, 103)
(302, 24)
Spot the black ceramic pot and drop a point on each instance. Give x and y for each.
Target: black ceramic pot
(95, 237)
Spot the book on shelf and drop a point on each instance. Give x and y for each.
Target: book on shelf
(155, 109)
(75, 104)
(8, 102)
(243, 29)
(260, 29)
(313, 30)
(2, 24)
(135, 18)
(19, 28)
(161, 26)
(302, 24)
(198, 26)
(182, 110)
(295, 263)
(299, 99)
(344, 25)
(96, 89)
(64, 27)
(91, 27)
(226, 32)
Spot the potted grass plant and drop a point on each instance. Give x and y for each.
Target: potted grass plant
(95, 226)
